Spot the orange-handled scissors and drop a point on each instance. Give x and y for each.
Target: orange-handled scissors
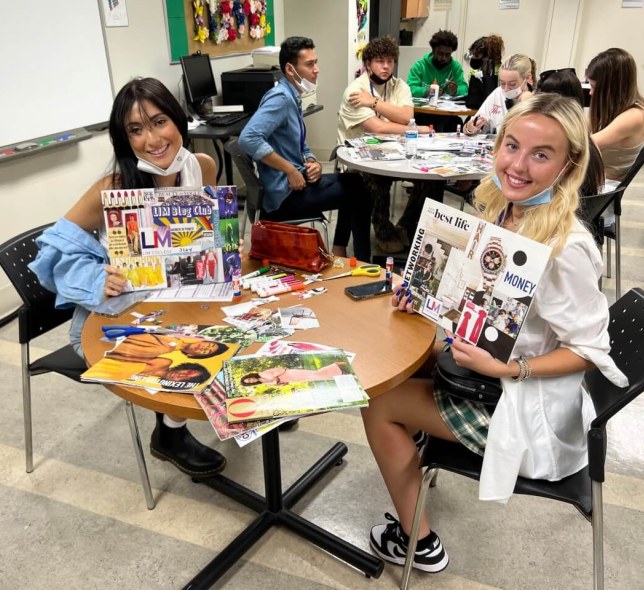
(367, 270)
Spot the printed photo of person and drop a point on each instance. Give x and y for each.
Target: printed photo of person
(114, 219)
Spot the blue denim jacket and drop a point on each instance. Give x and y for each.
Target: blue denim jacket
(276, 127)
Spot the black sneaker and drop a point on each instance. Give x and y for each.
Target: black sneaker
(387, 542)
(420, 440)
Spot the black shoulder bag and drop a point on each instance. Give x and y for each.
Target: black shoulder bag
(461, 383)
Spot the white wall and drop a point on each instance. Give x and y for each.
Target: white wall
(42, 187)
(557, 33)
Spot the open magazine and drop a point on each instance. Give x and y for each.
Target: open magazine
(173, 237)
(172, 362)
(259, 387)
(472, 277)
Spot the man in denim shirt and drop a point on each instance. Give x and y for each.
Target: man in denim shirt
(294, 186)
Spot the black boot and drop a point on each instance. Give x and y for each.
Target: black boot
(184, 451)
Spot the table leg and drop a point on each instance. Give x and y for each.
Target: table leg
(274, 510)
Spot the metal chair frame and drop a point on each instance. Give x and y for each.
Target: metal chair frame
(613, 232)
(36, 316)
(584, 488)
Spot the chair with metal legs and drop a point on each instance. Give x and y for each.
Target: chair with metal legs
(613, 230)
(583, 489)
(37, 316)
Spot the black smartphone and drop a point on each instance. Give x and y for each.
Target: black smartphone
(368, 290)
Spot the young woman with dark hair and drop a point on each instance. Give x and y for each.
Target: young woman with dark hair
(149, 131)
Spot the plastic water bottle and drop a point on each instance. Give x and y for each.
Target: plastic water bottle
(411, 139)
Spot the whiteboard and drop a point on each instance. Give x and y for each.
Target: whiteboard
(54, 68)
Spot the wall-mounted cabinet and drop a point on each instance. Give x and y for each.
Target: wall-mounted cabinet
(414, 8)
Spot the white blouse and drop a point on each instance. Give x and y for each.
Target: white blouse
(539, 427)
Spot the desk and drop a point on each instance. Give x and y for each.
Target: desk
(404, 342)
(427, 110)
(399, 169)
(222, 134)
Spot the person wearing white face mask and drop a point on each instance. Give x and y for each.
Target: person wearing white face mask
(294, 186)
(148, 129)
(516, 81)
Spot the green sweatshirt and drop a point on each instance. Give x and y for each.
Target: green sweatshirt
(423, 73)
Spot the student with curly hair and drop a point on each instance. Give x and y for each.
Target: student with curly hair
(440, 66)
(378, 102)
(485, 56)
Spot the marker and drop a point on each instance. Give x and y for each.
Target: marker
(248, 284)
(256, 273)
(421, 168)
(281, 289)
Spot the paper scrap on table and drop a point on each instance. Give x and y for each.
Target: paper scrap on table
(298, 318)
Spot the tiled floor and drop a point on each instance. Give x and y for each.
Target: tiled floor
(80, 521)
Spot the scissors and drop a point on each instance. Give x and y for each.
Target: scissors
(117, 331)
(367, 270)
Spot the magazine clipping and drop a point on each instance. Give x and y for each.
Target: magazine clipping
(472, 277)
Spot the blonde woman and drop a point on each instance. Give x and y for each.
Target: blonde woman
(538, 429)
(517, 78)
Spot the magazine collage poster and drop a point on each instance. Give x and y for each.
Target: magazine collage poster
(472, 277)
(172, 361)
(173, 237)
(292, 384)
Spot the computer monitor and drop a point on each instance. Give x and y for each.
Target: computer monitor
(198, 78)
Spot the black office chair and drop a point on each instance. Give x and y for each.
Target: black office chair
(583, 489)
(255, 191)
(37, 316)
(592, 208)
(612, 232)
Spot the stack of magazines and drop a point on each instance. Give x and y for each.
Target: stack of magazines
(260, 387)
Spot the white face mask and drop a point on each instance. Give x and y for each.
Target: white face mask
(512, 94)
(304, 85)
(176, 165)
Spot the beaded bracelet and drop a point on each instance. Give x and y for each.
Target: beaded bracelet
(525, 370)
(375, 102)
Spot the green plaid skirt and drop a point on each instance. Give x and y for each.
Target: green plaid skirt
(468, 421)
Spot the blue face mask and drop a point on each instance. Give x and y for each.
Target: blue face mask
(545, 196)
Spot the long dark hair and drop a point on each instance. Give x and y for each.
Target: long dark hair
(125, 174)
(614, 73)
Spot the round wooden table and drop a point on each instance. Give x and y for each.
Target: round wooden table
(389, 346)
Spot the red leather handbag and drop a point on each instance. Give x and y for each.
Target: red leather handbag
(289, 245)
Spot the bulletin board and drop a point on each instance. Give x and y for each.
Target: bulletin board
(213, 26)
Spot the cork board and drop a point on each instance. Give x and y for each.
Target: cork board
(181, 32)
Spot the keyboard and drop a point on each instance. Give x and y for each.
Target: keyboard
(226, 119)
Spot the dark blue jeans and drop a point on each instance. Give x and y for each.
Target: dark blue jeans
(345, 192)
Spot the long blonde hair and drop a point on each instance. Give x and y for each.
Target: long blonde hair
(552, 223)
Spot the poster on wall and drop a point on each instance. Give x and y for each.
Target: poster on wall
(359, 32)
(442, 5)
(115, 13)
(508, 4)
